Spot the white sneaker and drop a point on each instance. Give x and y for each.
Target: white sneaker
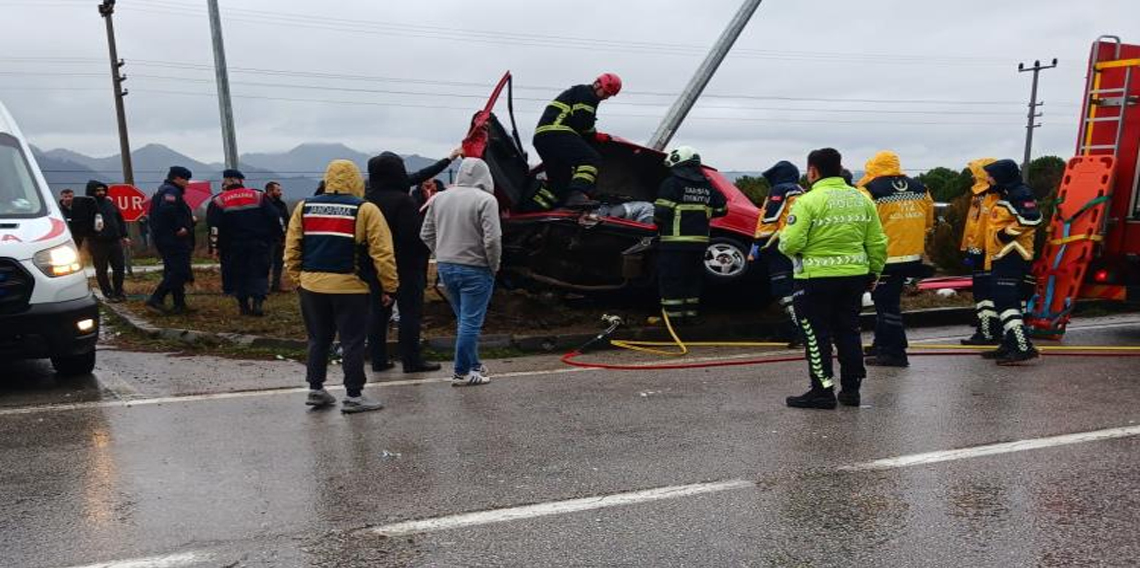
(471, 379)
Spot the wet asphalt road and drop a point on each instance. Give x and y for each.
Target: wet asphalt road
(198, 461)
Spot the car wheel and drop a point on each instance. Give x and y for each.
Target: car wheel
(726, 260)
(74, 365)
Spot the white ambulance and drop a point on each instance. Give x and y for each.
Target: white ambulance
(46, 307)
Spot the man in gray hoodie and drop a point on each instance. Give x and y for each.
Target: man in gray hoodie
(461, 227)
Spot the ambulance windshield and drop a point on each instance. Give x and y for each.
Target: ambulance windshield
(19, 195)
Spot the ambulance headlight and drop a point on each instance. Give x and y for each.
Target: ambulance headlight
(58, 261)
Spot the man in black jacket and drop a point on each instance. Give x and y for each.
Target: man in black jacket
(172, 225)
(389, 186)
(277, 253)
(685, 203)
(572, 164)
(106, 241)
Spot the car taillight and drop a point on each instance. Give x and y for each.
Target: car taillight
(1100, 276)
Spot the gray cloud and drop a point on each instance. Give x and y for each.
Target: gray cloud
(449, 53)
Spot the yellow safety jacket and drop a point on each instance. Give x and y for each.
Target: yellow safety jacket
(1014, 219)
(905, 207)
(982, 201)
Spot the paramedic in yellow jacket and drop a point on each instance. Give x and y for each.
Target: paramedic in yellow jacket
(982, 200)
(1010, 230)
(784, 183)
(336, 244)
(907, 214)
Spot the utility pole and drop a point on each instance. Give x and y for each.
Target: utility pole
(229, 138)
(696, 86)
(1033, 114)
(107, 10)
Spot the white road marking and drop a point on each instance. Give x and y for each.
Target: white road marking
(166, 561)
(557, 508)
(995, 449)
(680, 491)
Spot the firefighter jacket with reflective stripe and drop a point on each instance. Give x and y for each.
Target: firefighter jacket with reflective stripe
(834, 230)
(982, 200)
(1012, 224)
(906, 212)
(686, 202)
(241, 214)
(328, 225)
(574, 111)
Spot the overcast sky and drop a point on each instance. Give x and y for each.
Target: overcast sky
(406, 76)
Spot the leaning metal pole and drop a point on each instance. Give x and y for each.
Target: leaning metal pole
(696, 86)
(229, 138)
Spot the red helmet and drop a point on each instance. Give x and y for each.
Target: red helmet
(609, 83)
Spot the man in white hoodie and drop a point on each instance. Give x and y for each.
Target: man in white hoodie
(461, 227)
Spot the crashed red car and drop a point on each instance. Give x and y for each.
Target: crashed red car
(587, 252)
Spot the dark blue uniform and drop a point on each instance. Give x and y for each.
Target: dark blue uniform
(244, 226)
(169, 214)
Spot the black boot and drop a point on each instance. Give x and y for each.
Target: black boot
(984, 333)
(849, 396)
(257, 308)
(422, 367)
(885, 360)
(243, 306)
(995, 353)
(1017, 346)
(821, 398)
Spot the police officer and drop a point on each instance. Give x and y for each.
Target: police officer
(1010, 231)
(172, 227)
(784, 187)
(906, 212)
(686, 201)
(837, 242)
(244, 226)
(106, 241)
(336, 245)
(561, 140)
(982, 200)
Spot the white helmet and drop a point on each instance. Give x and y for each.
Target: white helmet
(682, 155)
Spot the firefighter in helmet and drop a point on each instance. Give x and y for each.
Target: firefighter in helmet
(563, 138)
(686, 202)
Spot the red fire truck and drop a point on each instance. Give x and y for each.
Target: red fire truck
(1093, 247)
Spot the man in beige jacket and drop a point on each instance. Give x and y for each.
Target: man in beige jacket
(336, 244)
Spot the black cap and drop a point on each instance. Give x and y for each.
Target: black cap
(233, 174)
(179, 172)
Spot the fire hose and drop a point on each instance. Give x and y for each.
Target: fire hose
(679, 348)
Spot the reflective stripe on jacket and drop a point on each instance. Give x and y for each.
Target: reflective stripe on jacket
(834, 230)
(685, 204)
(573, 111)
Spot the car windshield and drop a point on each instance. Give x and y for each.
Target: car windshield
(19, 195)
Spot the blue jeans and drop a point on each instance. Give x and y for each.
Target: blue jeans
(470, 290)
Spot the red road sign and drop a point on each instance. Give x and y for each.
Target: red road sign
(131, 201)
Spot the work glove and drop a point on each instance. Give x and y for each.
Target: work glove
(754, 253)
(602, 137)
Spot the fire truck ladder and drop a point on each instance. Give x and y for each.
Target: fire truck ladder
(1080, 219)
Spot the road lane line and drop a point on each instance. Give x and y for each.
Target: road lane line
(165, 561)
(557, 508)
(994, 449)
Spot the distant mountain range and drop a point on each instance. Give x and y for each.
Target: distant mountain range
(299, 170)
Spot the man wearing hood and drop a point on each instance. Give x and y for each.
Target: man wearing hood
(1010, 230)
(906, 211)
(244, 226)
(461, 226)
(389, 186)
(982, 200)
(686, 201)
(784, 183)
(337, 245)
(172, 227)
(106, 241)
